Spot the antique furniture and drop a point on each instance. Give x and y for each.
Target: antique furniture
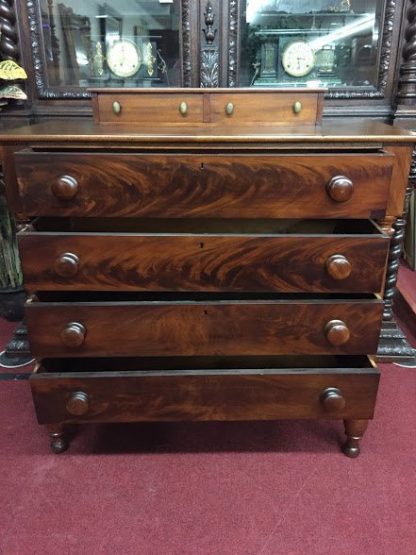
(363, 52)
(205, 254)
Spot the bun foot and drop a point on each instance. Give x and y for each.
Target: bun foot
(354, 430)
(59, 444)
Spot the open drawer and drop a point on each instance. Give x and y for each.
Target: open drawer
(102, 390)
(214, 255)
(121, 324)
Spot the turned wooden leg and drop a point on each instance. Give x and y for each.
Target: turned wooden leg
(59, 443)
(354, 430)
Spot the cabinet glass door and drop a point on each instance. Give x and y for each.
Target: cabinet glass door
(330, 43)
(128, 43)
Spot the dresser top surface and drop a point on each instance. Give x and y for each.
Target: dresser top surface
(86, 131)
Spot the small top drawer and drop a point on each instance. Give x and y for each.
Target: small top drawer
(239, 108)
(151, 109)
(214, 108)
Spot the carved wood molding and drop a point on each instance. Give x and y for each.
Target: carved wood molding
(9, 39)
(45, 91)
(210, 57)
(337, 94)
(186, 43)
(232, 43)
(407, 75)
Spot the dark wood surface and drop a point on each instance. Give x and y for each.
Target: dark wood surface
(169, 328)
(152, 262)
(222, 186)
(264, 394)
(84, 131)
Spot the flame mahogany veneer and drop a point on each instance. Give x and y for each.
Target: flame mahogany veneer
(205, 255)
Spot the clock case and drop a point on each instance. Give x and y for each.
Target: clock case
(268, 39)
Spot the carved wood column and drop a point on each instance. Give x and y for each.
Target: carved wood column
(393, 343)
(9, 40)
(209, 71)
(406, 93)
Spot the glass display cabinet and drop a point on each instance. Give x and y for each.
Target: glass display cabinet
(331, 43)
(111, 44)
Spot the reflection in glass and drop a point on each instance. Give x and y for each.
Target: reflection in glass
(331, 43)
(128, 43)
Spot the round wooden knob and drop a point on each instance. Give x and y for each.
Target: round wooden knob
(337, 332)
(338, 267)
(65, 187)
(67, 265)
(78, 403)
(340, 188)
(332, 399)
(73, 334)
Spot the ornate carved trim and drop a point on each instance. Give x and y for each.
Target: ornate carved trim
(336, 94)
(385, 56)
(42, 86)
(407, 78)
(210, 57)
(232, 43)
(209, 32)
(209, 68)
(186, 43)
(9, 40)
(45, 91)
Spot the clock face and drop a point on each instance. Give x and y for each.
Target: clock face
(124, 58)
(298, 59)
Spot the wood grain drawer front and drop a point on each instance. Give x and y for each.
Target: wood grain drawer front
(265, 394)
(216, 109)
(111, 262)
(234, 108)
(202, 328)
(194, 186)
(152, 109)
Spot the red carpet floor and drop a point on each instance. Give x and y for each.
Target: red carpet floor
(255, 488)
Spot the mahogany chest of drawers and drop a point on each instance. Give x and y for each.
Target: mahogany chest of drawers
(205, 255)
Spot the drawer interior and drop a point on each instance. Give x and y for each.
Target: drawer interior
(208, 226)
(100, 297)
(254, 364)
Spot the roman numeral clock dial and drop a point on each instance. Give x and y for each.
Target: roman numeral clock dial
(298, 59)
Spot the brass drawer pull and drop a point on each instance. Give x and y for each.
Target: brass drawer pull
(65, 187)
(116, 108)
(332, 399)
(229, 109)
(297, 107)
(73, 334)
(338, 267)
(337, 332)
(78, 403)
(183, 108)
(67, 265)
(340, 188)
